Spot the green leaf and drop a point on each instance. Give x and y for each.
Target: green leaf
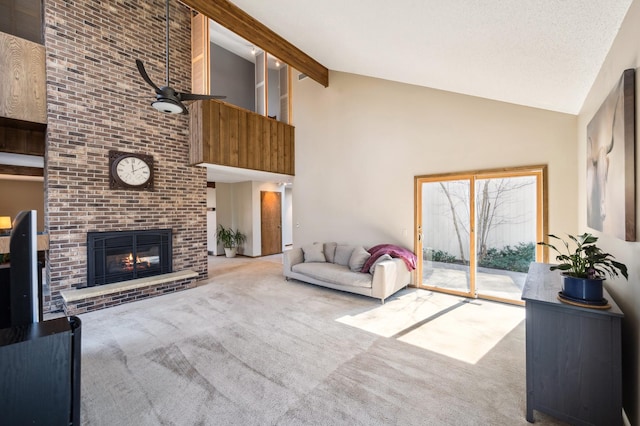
(589, 239)
(563, 267)
(586, 259)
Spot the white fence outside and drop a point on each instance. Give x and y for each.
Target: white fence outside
(512, 202)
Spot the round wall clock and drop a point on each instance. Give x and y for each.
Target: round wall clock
(130, 171)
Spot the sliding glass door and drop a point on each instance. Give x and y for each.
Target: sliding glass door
(477, 232)
(445, 229)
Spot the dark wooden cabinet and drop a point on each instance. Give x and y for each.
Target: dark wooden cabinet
(40, 371)
(573, 355)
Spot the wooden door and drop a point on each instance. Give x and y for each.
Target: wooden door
(271, 222)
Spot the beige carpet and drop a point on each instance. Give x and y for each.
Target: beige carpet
(249, 348)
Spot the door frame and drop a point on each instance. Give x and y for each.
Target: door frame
(542, 212)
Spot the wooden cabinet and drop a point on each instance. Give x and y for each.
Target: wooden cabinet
(573, 355)
(40, 370)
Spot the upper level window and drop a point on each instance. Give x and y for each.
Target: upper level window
(249, 77)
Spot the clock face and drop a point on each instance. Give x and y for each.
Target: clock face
(130, 171)
(133, 171)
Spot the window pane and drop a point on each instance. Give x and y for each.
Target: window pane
(445, 221)
(505, 234)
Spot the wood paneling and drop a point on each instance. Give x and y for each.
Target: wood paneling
(235, 19)
(200, 65)
(20, 170)
(231, 136)
(198, 129)
(22, 141)
(22, 79)
(243, 140)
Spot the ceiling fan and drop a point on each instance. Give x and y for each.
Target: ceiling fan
(167, 99)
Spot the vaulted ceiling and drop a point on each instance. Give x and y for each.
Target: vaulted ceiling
(539, 53)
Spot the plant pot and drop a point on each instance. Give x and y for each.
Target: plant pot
(582, 288)
(230, 252)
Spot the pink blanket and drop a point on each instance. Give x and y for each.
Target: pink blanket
(409, 258)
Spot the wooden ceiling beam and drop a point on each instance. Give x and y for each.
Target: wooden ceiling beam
(235, 19)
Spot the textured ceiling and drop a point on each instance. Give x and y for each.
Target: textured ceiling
(540, 53)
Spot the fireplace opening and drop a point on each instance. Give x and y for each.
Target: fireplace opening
(125, 255)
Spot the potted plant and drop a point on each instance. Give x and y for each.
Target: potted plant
(230, 239)
(585, 268)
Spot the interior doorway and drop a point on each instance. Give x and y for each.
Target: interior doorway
(476, 232)
(271, 222)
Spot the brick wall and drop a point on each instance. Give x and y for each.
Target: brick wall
(97, 101)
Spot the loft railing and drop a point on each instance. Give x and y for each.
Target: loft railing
(227, 135)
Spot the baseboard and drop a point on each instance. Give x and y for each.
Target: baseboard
(625, 419)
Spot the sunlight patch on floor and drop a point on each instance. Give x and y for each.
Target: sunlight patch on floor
(459, 328)
(469, 332)
(400, 312)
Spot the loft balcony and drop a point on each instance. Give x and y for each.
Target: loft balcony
(227, 135)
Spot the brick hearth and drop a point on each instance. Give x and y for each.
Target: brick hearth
(93, 298)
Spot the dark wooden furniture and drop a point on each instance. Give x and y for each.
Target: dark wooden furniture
(574, 364)
(40, 371)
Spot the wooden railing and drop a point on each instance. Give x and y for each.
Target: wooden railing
(227, 135)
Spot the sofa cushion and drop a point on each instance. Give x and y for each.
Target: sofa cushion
(313, 253)
(330, 251)
(378, 260)
(334, 274)
(357, 259)
(343, 254)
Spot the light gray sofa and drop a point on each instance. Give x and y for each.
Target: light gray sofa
(338, 266)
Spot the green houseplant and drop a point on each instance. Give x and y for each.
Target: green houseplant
(585, 267)
(230, 239)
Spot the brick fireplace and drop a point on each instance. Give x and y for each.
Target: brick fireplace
(97, 102)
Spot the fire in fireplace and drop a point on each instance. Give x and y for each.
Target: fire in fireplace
(125, 255)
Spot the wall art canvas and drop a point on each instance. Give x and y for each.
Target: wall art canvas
(611, 139)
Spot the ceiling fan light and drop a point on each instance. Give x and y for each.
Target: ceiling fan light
(168, 106)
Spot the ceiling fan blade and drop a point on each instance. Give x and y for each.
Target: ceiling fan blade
(145, 76)
(184, 108)
(194, 96)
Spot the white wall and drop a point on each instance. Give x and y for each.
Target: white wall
(233, 210)
(224, 208)
(624, 54)
(211, 222)
(287, 217)
(361, 141)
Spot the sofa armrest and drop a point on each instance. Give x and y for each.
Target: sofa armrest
(389, 277)
(290, 258)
